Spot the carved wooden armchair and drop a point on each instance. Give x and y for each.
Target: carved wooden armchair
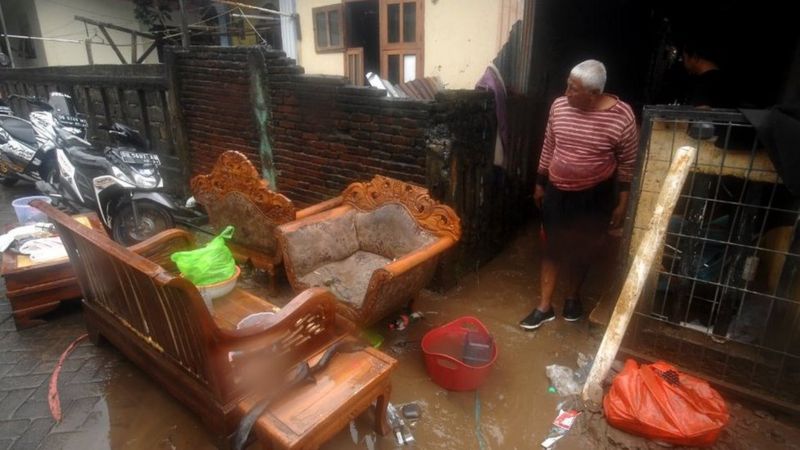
(235, 194)
(375, 252)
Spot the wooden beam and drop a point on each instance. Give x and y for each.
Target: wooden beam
(114, 27)
(113, 45)
(146, 53)
(637, 274)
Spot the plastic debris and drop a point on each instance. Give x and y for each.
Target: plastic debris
(552, 390)
(411, 411)
(401, 431)
(563, 379)
(561, 425)
(402, 321)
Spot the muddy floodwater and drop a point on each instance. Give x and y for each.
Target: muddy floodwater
(512, 410)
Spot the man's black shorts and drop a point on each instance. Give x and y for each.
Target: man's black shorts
(576, 221)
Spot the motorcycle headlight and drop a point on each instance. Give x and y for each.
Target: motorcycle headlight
(121, 175)
(144, 181)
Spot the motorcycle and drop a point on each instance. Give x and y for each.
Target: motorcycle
(121, 182)
(24, 154)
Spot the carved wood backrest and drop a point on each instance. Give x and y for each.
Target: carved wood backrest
(161, 310)
(235, 194)
(429, 214)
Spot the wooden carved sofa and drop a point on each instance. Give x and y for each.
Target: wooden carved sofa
(375, 252)
(235, 194)
(206, 358)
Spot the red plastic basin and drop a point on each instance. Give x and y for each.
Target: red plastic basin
(443, 348)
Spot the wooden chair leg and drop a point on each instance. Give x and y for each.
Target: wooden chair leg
(381, 421)
(94, 335)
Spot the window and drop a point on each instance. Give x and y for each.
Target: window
(328, 29)
(402, 40)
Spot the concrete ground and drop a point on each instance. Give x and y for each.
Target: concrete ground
(108, 403)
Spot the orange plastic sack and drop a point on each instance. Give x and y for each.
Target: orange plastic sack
(658, 402)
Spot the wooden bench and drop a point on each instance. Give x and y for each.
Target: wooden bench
(206, 358)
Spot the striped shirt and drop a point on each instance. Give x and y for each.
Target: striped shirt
(584, 148)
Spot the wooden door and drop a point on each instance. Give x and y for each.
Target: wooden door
(354, 65)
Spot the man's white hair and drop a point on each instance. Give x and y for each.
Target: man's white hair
(592, 74)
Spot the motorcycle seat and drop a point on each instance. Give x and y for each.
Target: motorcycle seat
(84, 157)
(19, 129)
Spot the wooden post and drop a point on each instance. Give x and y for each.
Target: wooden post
(184, 26)
(133, 48)
(88, 43)
(637, 274)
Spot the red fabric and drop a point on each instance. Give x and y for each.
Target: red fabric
(642, 402)
(584, 148)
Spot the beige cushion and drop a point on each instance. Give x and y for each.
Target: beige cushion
(321, 243)
(390, 231)
(252, 228)
(348, 279)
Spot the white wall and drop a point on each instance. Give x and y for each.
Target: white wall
(57, 19)
(20, 18)
(307, 56)
(462, 37)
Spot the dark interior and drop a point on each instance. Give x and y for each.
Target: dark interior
(361, 19)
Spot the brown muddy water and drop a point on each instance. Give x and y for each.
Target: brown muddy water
(516, 409)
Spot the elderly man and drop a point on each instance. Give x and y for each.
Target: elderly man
(588, 155)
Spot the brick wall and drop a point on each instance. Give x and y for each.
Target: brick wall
(327, 134)
(323, 133)
(213, 94)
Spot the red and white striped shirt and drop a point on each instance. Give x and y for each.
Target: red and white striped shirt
(584, 148)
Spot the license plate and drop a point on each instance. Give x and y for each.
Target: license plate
(139, 158)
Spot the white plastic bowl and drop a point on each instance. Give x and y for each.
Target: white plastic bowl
(216, 290)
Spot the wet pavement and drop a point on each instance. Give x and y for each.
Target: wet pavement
(109, 403)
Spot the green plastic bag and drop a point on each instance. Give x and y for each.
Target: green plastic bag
(210, 264)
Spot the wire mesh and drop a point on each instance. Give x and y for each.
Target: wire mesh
(724, 298)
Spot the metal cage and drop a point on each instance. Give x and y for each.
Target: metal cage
(723, 299)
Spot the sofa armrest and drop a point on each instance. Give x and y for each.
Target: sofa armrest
(419, 256)
(159, 247)
(319, 207)
(315, 304)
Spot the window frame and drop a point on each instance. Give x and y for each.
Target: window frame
(401, 47)
(336, 7)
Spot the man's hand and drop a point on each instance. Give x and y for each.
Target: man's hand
(618, 215)
(538, 195)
